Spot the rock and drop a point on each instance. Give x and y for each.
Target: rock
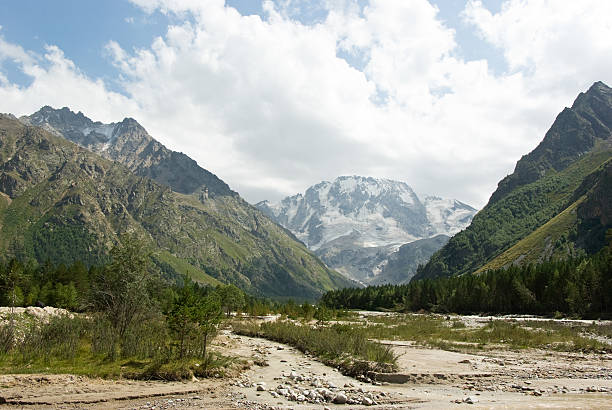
(470, 400)
(301, 397)
(366, 401)
(327, 394)
(261, 388)
(340, 398)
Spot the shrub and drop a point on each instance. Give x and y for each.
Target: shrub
(58, 339)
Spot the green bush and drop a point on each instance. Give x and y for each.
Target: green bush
(58, 339)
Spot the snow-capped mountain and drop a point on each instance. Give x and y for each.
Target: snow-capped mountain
(354, 223)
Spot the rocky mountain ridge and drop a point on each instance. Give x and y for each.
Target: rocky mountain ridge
(128, 143)
(61, 202)
(354, 223)
(551, 206)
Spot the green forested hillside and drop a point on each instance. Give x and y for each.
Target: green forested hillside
(577, 286)
(546, 182)
(62, 203)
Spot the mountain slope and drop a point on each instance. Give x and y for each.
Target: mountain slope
(65, 203)
(530, 203)
(354, 223)
(128, 143)
(402, 265)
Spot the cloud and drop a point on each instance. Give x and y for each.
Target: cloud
(58, 82)
(273, 104)
(13, 52)
(563, 46)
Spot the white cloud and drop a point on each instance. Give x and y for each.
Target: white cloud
(563, 46)
(56, 81)
(270, 106)
(13, 52)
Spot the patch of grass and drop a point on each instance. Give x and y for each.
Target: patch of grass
(434, 331)
(600, 330)
(533, 246)
(344, 346)
(89, 347)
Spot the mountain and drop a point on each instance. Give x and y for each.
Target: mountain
(402, 264)
(555, 204)
(128, 143)
(354, 223)
(61, 202)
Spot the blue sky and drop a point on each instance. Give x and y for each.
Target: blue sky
(82, 29)
(445, 95)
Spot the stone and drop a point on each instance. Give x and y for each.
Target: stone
(340, 398)
(366, 401)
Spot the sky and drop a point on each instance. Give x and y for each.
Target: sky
(275, 96)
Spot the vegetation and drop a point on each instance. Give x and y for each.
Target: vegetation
(436, 331)
(343, 346)
(124, 332)
(503, 223)
(580, 287)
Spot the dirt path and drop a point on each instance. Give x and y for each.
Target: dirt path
(427, 378)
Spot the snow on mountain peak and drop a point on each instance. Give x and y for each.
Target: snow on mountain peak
(384, 212)
(356, 223)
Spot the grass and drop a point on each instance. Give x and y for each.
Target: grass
(181, 267)
(533, 246)
(88, 347)
(343, 346)
(435, 331)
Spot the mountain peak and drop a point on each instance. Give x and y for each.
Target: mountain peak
(129, 143)
(355, 222)
(599, 86)
(576, 131)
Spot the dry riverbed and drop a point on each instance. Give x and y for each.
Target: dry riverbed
(286, 378)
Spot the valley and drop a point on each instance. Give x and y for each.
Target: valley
(175, 292)
(493, 376)
(293, 204)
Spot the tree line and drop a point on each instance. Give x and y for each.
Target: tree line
(578, 286)
(122, 295)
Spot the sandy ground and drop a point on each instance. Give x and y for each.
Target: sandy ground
(428, 378)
